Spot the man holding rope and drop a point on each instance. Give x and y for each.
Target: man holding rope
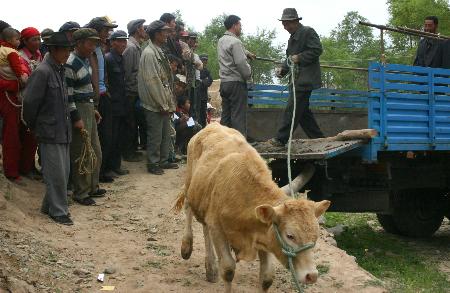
(84, 116)
(303, 51)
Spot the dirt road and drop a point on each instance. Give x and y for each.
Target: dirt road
(133, 235)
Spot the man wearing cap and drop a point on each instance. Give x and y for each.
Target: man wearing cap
(103, 26)
(46, 111)
(304, 49)
(111, 153)
(45, 35)
(154, 85)
(131, 57)
(193, 67)
(69, 28)
(234, 72)
(205, 82)
(83, 114)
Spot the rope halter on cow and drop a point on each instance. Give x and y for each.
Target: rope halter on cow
(291, 253)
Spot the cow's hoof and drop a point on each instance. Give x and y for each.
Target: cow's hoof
(266, 285)
(228, 276)
(186, 248)
(212, 274)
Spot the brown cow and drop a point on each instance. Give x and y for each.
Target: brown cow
(229, 189)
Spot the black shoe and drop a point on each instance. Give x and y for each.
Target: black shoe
(98, 193)
(63, 220)
(106, 179)
(85, 201)
(174, 160)
(276, 143)
(155, 169)
(121, 171)
(169, 165)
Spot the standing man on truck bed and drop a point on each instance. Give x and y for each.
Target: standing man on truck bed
(429, 52)
(304, 49)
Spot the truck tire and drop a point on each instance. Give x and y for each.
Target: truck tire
(388, 224)
(418, 212)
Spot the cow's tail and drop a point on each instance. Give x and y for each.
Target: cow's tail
(180, 201)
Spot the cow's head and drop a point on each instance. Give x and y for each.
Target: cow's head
(297, 223)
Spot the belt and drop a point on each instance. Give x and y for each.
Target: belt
(84, 100)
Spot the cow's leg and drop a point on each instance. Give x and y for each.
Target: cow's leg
(266, 271)
(210, 257)
(227, 264)
(187, 241)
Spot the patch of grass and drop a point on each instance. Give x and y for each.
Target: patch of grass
(323, 269)
(153, 264)
(160, 250)
(388, 257)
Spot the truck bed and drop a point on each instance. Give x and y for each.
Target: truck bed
(308, 149)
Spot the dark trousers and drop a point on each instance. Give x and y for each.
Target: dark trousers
(203, 111)
(118, 133)
(234, 105)
(195, 103)
(105, 132)
(303, 116)
(129, 145)
(141, 129)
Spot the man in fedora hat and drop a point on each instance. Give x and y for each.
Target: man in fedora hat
(46, 112)
(304, 49)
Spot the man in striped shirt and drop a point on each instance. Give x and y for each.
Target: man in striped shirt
(82, 111)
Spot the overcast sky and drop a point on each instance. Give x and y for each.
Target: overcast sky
(323, 15)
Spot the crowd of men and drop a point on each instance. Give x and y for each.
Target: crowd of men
(85, 98)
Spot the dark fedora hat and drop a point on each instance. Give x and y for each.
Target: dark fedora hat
(58, 39)
(290, 14)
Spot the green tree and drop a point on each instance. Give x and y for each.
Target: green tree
(352, 45)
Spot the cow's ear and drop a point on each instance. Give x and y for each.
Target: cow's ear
(265, 213)
(321, 207)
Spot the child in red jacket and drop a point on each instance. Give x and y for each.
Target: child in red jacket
(11, 64)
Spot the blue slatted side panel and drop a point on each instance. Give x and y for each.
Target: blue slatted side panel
(277, 95)
(410, 108)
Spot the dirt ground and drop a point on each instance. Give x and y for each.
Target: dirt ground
(133, 234)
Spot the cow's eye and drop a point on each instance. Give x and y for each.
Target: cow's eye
(290, 237)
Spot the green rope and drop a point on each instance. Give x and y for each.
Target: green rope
(291, 253)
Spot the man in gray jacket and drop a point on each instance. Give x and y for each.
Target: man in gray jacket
(154, 86)
(234, 72)
(46, 112)
(131, 57)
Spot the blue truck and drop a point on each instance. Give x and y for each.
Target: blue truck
(402, 174)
